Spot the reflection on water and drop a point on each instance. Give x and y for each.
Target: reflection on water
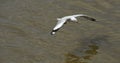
(93, 50)
(87, 50)
(25, 27)
(72, 58)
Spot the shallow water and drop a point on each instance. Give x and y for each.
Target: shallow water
(25, 27)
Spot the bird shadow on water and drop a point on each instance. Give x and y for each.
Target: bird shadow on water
(85, 51)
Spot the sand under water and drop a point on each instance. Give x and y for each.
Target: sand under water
(25, 27)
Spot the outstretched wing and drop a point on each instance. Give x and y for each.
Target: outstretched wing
(89, 18)
(79, 15)
(85, 16)
(58, 26)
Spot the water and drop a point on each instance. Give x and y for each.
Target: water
(25, 27)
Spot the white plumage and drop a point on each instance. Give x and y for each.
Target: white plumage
(63, 20)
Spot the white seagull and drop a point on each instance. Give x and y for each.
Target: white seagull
(72, 18)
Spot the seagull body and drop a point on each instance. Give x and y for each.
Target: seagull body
(64, 19)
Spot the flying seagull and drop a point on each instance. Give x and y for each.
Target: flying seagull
(72, 18)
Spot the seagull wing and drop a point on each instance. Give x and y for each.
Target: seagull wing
(58, 26)
(79, 15)
(85, 16)
(89, 18)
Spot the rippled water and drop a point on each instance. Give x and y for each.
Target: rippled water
(25, 27)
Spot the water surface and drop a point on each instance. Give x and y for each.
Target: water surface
(25, 27)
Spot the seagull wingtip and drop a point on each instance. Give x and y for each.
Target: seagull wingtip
(93, 19)
(52, 33)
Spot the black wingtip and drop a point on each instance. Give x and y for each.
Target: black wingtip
(89, 18)
(92, 19)
(52, 33)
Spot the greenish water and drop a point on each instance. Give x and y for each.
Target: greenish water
(25, 27)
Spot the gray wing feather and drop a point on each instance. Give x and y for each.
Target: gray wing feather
(85, 16)
(59, 24)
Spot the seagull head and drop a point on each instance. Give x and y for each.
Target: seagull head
(58, 19)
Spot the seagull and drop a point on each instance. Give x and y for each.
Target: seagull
(72, 18)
